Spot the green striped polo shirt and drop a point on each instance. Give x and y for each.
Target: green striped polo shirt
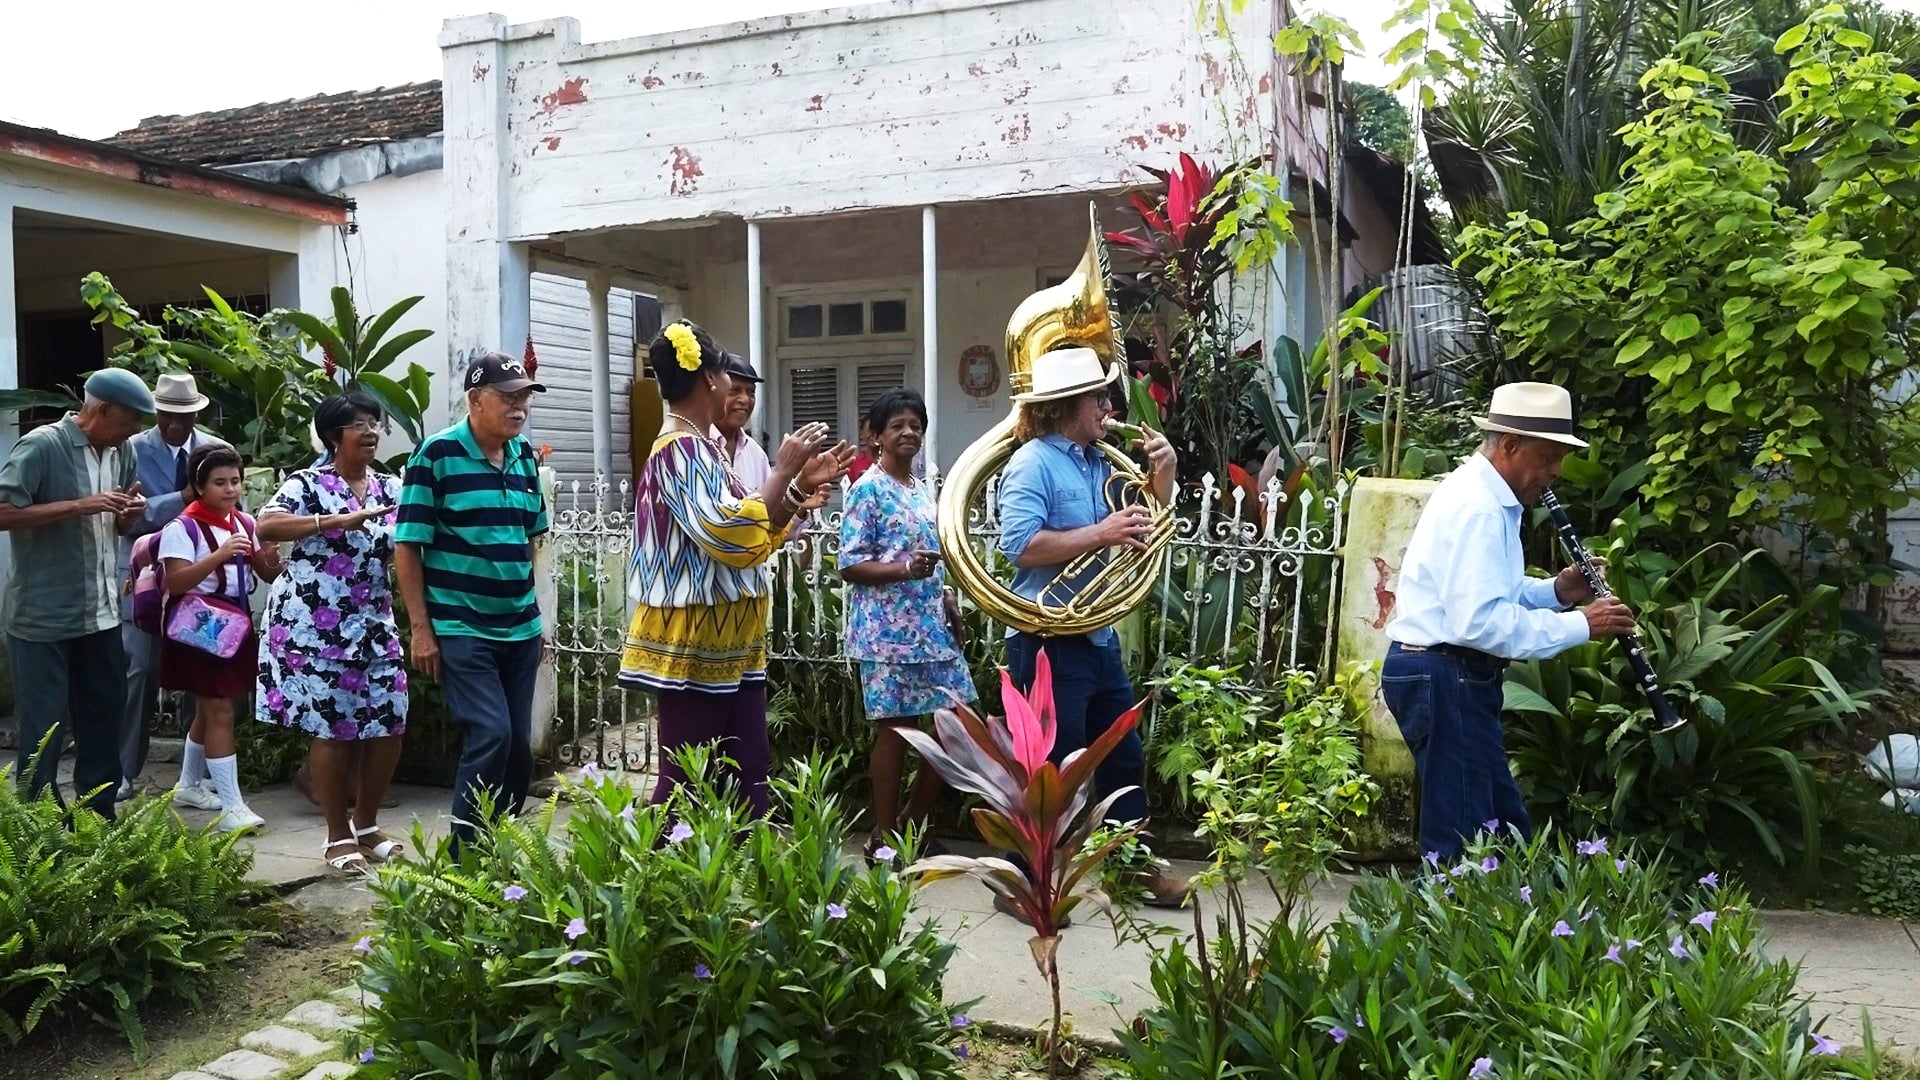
(472, 522)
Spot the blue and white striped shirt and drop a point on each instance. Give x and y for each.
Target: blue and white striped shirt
(1464, 579)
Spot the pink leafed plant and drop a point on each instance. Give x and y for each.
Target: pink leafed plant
(1034, 808)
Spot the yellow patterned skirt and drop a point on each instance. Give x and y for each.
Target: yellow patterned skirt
(711, 647)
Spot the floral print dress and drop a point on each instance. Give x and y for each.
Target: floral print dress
(331, 664)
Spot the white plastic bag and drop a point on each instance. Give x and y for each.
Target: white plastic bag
(1904, 769)
(1907, 799)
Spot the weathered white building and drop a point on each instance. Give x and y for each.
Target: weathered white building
(855, 198)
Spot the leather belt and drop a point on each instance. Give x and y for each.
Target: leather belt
(1458, 652)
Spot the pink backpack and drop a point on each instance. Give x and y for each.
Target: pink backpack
(147, 578)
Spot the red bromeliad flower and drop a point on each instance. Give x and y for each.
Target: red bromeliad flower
(531, 361)
(327, 362)
(1033, 804)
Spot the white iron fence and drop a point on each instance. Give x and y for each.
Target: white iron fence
(1248, 582)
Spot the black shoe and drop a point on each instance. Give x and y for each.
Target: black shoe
(1005, 907)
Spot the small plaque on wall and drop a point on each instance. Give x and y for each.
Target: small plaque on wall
(979, 372)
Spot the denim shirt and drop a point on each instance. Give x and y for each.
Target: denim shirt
(1050, 483)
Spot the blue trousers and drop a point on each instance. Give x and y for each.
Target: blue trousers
(75, 687)
(1090, 691)
(489, 688)
(1448, 709)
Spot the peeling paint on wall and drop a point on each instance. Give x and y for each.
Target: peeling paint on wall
(686, 171)
(816, 103)
(480, 70)
(570, 92)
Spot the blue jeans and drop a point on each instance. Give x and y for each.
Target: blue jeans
(489, 688)
(1448, 709)
(75, 687)
(1090, 691)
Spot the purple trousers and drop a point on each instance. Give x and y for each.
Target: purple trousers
(736, 719)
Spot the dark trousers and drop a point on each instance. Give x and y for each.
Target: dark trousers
(1448, 709)
(489, 688)
(77, 686)
(737, 719)
(143, 670)
(1090, 691)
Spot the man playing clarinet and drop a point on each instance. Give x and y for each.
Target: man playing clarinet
(1466, 608)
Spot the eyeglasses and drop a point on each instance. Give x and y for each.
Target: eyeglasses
(520, 398)
(361, 426)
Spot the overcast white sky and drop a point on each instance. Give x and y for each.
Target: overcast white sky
(93, 69)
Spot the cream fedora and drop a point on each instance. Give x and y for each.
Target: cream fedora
(1539, 410)
(1063, 373)
(176, 392)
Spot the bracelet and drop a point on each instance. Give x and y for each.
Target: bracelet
(794, 493)
(317, 530)
(787, 500)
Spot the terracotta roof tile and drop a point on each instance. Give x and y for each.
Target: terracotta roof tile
(302, 127)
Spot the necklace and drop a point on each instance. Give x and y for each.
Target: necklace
(738, 488)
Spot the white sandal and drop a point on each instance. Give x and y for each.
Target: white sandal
(352, 864)
(385, 850)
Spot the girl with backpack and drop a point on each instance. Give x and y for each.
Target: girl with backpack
(208, 647)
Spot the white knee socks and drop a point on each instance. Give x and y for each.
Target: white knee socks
(226, 780)
(193, 763)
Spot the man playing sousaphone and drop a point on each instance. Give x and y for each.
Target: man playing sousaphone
(1465, 607)
(1054, 508)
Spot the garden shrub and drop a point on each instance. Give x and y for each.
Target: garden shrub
(97, 917)
(1552, 960)
(1887, 883)
(635, 943)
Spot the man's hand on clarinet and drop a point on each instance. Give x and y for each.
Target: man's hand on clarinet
(1570, 585)
(1608, 617)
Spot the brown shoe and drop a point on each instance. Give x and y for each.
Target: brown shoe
(1166, 889)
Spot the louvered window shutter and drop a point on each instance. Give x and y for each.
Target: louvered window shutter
(813, 395)
(873, 379)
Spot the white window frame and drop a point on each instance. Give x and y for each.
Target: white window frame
(847, 354)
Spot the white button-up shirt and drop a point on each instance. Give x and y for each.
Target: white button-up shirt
(1464, 579)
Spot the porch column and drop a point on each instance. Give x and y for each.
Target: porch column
(757, 333)
(9, 351)
(598, 282)
(930, 335)
(487, 274)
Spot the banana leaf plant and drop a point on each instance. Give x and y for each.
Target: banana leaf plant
(357, 352)
(1034, 809)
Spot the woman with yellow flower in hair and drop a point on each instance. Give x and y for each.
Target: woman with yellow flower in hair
(698, 636)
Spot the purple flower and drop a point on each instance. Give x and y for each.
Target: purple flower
(1679, 949)
(1491, 825)
(276, 700)
(589, 771)
(1704, 920)
(279, 634)
(1526, 894)
(1482, 1067)
(363, 946)
(345, 730)
(835, 911)
(361, 592)
(626, 814)
(1461, 869)
(680, 831)
(326, 618)
(353, 680)
(1339, 1034)
(1620, 866)
(1561, 929)
(513, 894)
(399, 677)
(576, 958)
(1489, 864)
(338, 566)
(702, 971)
(1449, 890)
(331, 482)
(1633, 943)
(1432, 859)
(575, 929)
(1711, 881)
(959, 1020)
(960, 1051)
(1823, 1046)
(1592, 847)
(333, 652)
(884, 854)
(1613, 954)
(1585, 915)
(366, 1056)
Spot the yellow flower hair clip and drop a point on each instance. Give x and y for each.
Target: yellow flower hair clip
(686, 349)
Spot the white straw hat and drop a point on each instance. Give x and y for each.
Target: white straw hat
(1537, 410)
(176, 392)
(1063, 373)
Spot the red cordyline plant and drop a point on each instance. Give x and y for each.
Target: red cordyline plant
(1034, 809)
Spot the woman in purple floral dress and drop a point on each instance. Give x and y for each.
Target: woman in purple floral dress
(332, 665)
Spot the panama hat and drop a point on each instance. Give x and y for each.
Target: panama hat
(1063, 373)
(176, 392)
(1537, 410)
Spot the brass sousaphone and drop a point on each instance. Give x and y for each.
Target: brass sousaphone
(1072, 313)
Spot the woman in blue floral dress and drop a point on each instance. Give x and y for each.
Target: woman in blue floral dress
(332, 666)
(900, 620)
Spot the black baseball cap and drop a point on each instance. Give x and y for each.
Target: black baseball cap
(502, 372)
(741, 368)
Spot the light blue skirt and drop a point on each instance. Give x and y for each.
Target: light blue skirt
(914, 689)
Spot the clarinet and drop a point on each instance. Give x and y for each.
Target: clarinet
(1636, 655)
